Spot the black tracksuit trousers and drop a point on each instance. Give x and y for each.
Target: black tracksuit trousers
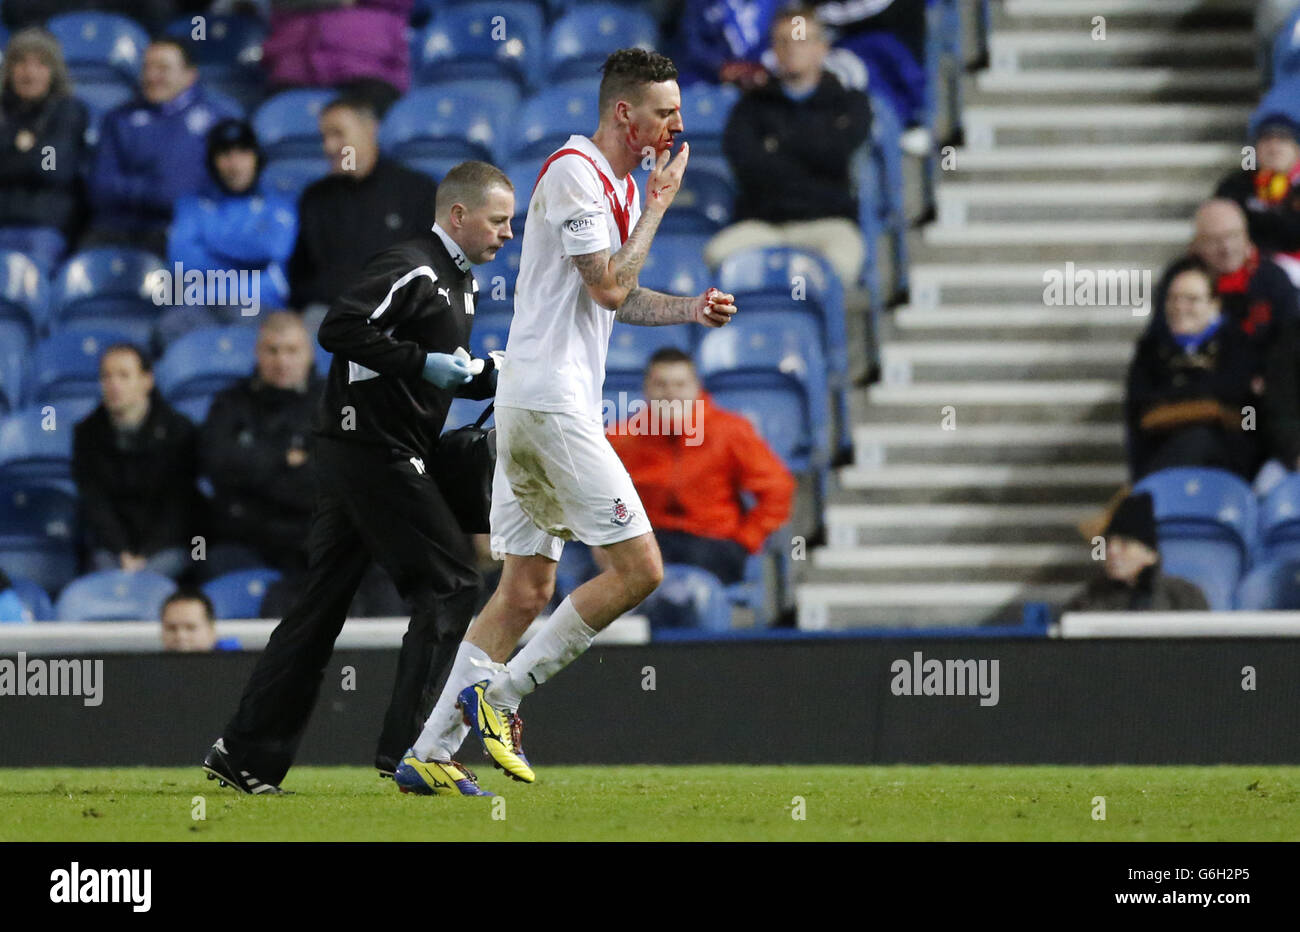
(371, 503)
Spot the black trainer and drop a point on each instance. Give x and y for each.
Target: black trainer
(386, 766)
(222, 769)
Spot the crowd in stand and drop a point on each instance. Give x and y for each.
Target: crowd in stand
(176, 169)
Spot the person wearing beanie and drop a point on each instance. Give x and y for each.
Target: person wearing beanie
(232, 224)
(1132, 580)
(1269, 191)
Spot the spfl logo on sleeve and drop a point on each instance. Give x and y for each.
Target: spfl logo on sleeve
(622, 515)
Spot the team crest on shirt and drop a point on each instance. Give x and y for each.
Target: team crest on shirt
(622, 514)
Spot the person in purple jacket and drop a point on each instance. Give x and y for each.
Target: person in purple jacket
(152, 150)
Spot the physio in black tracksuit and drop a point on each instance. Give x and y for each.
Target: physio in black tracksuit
(377, 430)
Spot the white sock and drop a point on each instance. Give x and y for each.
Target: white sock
(562, 640)
(445, 729)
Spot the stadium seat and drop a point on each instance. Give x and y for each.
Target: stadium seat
(31, 453)
(466, 411)
(66, 363)
(688, 597)
(491, 328)
(630, 347)
(13, 368)
(1279, 521)
(108, 284)
(100, 48)
(194, 407)
(523, 175)
(675, 265)
(289, 177)
(239, 594)
(881, 209)
(1286, 50)
(38, 527)
(702, 205)
(99, 100)
(458, 120)
(1282, 98)
(705, 110)
(581, 40)
(1271, 587)
(205, 361)
(24, 293)
(1208, 564)
(546, 120)
(230, 44)
(496, 40)
(114, 595)
(498, 277)
(288, 124)
(34, 598)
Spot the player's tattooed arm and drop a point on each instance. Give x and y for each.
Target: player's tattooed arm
(648, 308)
(627, 262)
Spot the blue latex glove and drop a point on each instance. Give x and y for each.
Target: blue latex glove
(446, 371)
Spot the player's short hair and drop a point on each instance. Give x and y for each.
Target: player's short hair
(187, 54)
(626, 73)
(467, 183)
(188, 594)
(669, 354)
(146, 364)
(1193, 264)
(804, 11)
(360, 105)
(278, 322)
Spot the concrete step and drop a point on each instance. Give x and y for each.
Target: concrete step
(839, 605)
(1040, 202)
(984, 476)
(934, 284)
(924, 444)
(988, 127)
(1071, 326)
(1069, 160)
(985, 402)
(1032, 50)
(898, 563)
(1170, 234)
(1095, 85)
(849, 526)
(904, 363)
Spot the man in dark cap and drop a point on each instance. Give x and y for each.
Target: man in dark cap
(1269, 191)
(1132, 580)
(232, 224)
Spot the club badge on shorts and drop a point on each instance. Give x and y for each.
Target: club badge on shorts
(622, 514)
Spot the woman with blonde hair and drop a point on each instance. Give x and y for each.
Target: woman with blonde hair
(42, 149)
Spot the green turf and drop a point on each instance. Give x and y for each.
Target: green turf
(670, 803)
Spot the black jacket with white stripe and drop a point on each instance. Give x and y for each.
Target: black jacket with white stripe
(411, 300)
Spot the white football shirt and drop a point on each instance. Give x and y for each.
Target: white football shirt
(559, 336)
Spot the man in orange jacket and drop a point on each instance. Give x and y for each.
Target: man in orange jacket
(691, 471)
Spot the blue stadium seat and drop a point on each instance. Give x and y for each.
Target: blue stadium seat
(194, 407)
(1210, 564)
(546, 120)
(581, 40)
(881, 209)
(470, 41)
(24, 293)
(1279, 521)
(522, 174)
(108, 285)
(775, 358)
(289, 177)
(34, 598)
(239, 594)
(99, 100)
(1286, 50)
(465, 411)
(675, 264)
(66, 363)
(205, 361)
(114, 595)
(703, 204)
(499, 275)
(705, 109)
(288, 124)
(455, 120)
(630, 348)
(29, 452)
(38, 527)
(1271, 587)
(688, 597)
(491, 328)
(13, 372)
(100, 48)
(1282, 98)
(230, 43)
(435, 166)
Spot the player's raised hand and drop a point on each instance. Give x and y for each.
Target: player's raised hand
(662, 185)
(714, 308)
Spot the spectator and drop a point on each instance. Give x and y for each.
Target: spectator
(1132, 580)
(151, 150)
(359, 46)
(366, 204)
(233, 224)
(254, 446)
(189, 624)
(692, 475)
(134, 460)
(1269, 192)
(42, 150)
(790, 143)
(1188, 383)
(723, 42)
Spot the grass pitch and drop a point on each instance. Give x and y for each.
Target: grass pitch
(714, 803)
